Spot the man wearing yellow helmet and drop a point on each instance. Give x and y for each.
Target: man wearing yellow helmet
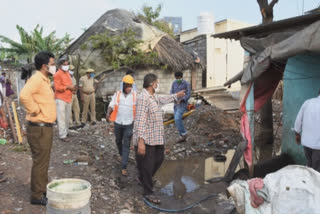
(131, 73)
(121, 111)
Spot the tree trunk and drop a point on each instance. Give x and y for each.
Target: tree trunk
(265, 135)
(266, 10)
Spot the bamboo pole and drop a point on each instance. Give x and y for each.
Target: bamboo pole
(16, 119)
(10, 121)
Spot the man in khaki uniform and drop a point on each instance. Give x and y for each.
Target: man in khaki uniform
(74, 102)
(88, 96)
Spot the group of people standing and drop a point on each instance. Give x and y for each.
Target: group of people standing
(134, 115)
(66, 97)
(140, 116)
(44, 104)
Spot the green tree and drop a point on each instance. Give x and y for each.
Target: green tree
(33, 42)
(151, 16)
(122, 50)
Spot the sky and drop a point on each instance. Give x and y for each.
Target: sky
(72, 16)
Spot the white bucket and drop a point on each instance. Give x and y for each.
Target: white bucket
(68, 196)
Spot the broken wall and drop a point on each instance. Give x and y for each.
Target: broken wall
(166, 77)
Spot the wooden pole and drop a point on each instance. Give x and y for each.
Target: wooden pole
(16, 119)
(10, 121)
(194, 79)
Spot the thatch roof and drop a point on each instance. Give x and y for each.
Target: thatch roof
(169, 51)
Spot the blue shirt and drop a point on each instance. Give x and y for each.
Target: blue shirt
(176, 87)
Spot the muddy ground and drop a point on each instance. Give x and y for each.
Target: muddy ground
(211, 131)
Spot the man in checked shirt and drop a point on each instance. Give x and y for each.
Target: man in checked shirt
(148, 133)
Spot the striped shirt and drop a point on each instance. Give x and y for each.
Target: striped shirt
(148, 123)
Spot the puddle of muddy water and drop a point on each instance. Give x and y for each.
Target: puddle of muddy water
(176, 178)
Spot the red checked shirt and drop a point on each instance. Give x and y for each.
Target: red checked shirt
(148, 123)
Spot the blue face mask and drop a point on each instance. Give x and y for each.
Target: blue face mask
(92, 75)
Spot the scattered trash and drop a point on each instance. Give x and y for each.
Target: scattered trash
(18, 209)
(220, 158)
(3, 141)
(102, 146)
(125, 211)
(82, 163)
(68, 161)
(281, 195)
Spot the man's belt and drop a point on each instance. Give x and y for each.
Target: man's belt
(40, 124)
(87, 93)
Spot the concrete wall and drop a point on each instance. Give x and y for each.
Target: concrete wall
(199, 45)
(301, 82)
(112, 82)
(222, 58)
(187, 35)
(225, 57)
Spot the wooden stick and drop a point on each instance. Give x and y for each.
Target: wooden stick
(10, 121)
(16, 119)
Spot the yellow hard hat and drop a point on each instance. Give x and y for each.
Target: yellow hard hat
(128, 79)
(90, 70)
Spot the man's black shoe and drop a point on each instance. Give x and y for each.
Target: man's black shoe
(43, 201)
(94, 123)
(73, 128)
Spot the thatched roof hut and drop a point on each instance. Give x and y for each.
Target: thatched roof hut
(169, 51)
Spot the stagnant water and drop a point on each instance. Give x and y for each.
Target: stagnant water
(176, 178)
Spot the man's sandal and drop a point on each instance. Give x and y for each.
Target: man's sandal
(124, 172)
(153, 199)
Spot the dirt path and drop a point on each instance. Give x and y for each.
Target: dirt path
(111, 192)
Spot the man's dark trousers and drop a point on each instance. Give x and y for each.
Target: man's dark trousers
(123, 135)
(313, 158)
(40, 141)
(148, 165)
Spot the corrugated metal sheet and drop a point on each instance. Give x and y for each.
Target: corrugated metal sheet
(262, 30)
(219, 97)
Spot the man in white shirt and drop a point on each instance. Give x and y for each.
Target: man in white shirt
(307, 128)
(122, 111)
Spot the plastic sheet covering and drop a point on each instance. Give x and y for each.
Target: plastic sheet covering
(293, 189)
(278, 47)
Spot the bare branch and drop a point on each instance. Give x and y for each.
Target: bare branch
(272, 3)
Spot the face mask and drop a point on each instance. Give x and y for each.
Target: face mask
(65, 67)
(71, 73)
(92, 75)
(179, 81)
(157, 89)
(52, 69)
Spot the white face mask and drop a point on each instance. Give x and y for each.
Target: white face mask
(157, 89)
(52, 69)
(65, 67)
(71, 72)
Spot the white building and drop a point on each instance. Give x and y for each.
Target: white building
(222, 58)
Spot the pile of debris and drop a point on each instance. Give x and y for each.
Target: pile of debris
(210, 130)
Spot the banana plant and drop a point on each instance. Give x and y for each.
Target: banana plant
(32, 43)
